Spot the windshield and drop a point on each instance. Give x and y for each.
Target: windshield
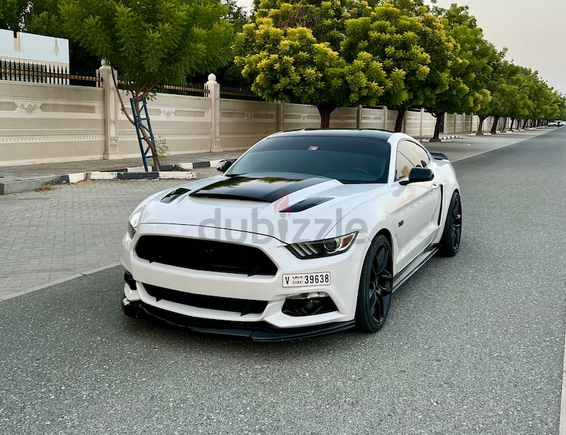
(346, 159)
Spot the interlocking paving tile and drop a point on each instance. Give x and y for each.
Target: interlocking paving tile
(68, 230)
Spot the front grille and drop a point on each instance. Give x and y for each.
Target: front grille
(242, 306)
(206, 255)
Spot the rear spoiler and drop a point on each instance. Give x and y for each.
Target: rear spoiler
(439, 156)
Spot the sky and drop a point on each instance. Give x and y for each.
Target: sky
(534, 32)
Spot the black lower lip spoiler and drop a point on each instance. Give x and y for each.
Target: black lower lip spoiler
(257, 331)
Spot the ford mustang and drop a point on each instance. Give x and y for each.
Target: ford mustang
(308, 232)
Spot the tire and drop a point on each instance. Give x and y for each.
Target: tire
(452, 234)
(376, 286)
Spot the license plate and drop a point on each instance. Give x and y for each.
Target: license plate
(306, 279)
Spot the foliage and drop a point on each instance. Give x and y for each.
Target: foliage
(12, 13)
(43, 18)
(149, 41)
(235, 15)
(392, 38)
(562, 107)
(329, 53)
(412, 46)
(286, 60)
(230, 74)
(506, 100)
(470, 68)
(296, 52)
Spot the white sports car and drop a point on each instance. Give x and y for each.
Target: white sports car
(308, 232)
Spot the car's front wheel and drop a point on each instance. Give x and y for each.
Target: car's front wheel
(452, 234)
(376, 286)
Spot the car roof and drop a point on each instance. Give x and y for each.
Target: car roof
(337, 132)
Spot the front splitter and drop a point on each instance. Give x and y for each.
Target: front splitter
(257, 331)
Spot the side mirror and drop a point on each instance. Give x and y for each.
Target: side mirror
(224, 165)
(418, 175)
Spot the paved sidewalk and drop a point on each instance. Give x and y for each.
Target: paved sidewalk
(66, 231)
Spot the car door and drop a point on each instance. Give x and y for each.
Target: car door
(417, 204)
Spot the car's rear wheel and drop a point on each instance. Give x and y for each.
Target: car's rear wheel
(450, 242)
(376, 286)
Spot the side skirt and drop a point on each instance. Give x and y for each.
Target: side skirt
(413, 266)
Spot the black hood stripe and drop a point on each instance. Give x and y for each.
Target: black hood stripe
(263, 189)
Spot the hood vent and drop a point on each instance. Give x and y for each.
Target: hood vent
(304, 205)
(172, 196)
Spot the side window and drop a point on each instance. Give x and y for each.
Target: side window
(410, 155)
(402, 167)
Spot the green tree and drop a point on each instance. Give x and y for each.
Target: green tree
(12, 13)
(470, 67)
(516, 102)
(149, 41)
(43, 17)
(410, 43)
(562, 107)
(504, 91)
(294, 52)
(230, 74)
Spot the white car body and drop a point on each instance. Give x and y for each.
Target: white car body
(412, 217)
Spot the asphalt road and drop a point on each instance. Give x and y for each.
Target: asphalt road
(473, 344)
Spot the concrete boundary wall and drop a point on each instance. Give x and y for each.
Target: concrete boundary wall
(45, 123)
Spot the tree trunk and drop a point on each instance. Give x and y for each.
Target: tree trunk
(325, 109)
(494, 125)
(439, 120)
(504, 124)
(400, 118)
(525, 123)
(480, 125)
(512, 122)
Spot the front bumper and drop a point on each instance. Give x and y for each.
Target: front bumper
(256, 331)
(344, 268)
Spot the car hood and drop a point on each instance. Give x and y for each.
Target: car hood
(284, 206)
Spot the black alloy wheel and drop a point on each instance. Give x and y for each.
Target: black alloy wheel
(376, 286)
(450, 242)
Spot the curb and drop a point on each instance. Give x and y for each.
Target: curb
(199, 165)
(442, 138)
(30, 184)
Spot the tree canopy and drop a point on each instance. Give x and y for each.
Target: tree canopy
(149, 41)
(412, 46)
(470, 66)
(329, 53)
(295, 52)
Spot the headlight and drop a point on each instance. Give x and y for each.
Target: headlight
(323, 248)
(133, 223)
